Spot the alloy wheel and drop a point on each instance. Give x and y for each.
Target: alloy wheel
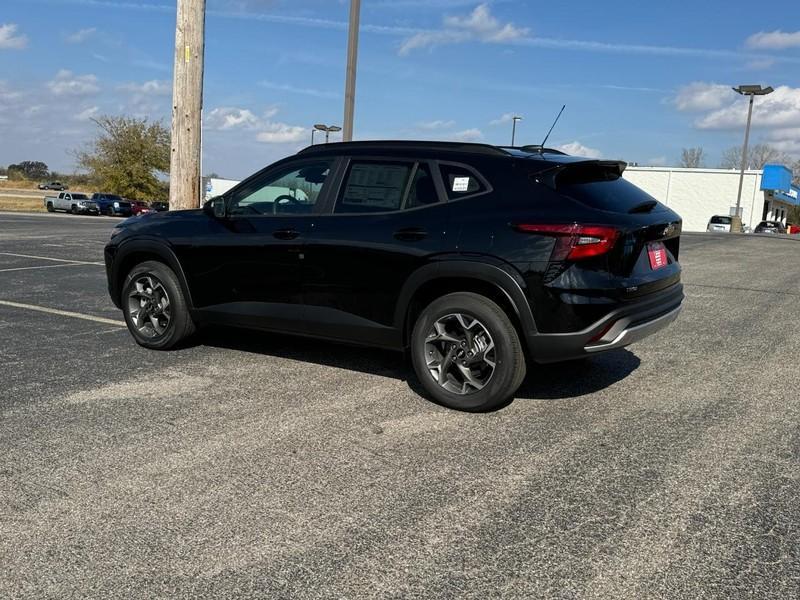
(149, 306)
(460, 353)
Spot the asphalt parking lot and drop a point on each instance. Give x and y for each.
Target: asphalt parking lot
(264, 466)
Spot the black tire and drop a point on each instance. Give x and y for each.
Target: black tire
(50, 207)
(509, 369)
(74, 210)
(110, 212)
(180, 325)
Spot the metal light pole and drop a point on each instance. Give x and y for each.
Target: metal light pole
(752, 91)
(514, 120)
(352, 60)
(330, 130)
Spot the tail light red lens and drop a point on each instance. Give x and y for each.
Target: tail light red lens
(574, 241)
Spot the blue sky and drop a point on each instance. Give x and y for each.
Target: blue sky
(641, 80)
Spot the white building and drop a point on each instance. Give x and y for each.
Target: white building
(698, 194)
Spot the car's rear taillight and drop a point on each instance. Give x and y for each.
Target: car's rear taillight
(574, 241)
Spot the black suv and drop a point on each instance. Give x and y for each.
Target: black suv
(469, 256)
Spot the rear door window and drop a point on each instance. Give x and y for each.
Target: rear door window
(374, 187)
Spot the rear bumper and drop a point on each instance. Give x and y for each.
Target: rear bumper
(623, 326)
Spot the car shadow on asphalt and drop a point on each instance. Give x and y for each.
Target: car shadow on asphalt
(557, 381)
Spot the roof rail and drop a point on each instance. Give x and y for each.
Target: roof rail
(469, 147)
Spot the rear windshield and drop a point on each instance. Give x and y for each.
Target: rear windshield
(600, 187)
(721, 220)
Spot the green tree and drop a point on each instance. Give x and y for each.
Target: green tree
(31, 169)
(128, 157)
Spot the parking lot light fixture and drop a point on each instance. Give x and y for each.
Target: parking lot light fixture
(328, 129)
(752, 91)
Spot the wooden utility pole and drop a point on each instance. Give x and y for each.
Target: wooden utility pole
(187, 106)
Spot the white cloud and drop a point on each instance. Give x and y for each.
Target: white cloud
(785, 140)
(774, 40)
(9, 39)
(285, 87)
(87, 114)
(67, 83)
(479, 25)
(225, 118)
(468, 135)
(281, 133)
(435, 125)
(148, 88)
(700, 96)
(578, 149)
(779, 110)
(7, 94)
(80, 36)
(502, 119)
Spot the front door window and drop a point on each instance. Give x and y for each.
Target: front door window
(292, 191)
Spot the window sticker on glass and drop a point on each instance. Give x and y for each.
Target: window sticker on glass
(460, 184)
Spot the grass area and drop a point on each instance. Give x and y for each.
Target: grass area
(18, 185)
(21, 204)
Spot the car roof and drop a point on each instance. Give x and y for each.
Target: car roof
(427, 147)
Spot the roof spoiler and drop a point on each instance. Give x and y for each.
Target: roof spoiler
(550, 176)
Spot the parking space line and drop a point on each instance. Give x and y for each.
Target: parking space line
(63, 313)
(43, 267)
(81, 262)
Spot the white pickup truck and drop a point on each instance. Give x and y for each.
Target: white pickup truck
(73, 202)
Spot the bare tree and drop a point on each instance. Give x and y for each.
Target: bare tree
(757, 156)
(692, 158)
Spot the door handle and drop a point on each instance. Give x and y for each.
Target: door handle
(286, 234)
(410, 234)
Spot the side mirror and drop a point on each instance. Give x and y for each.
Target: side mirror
(218, 207)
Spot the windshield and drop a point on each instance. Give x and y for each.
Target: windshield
(80, 197)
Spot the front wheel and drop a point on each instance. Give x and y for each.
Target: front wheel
(74, 210)
(467, 353)
(154, 307)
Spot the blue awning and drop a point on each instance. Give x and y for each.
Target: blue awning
(777, 178)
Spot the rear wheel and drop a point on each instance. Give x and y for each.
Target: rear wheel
(50, 207)
(154, 307)
(466, 352)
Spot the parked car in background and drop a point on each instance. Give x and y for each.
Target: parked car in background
(71, 202)
(473, 258)
(719, 223)
(113, 205)
(770, 227)
(159, 206)
(56, 186)
(139, 207)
